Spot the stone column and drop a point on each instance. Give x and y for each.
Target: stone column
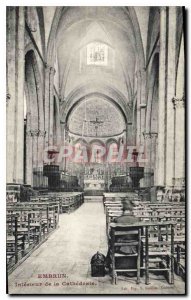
(171, 75)
(29, 145)
(150, 151)
(147, 167)
(141, 85)
(46, 106)
(49, 97)
(58, 134)
(41, 137)
(10, 120)
(154, 153)
(129, 134)
(51, 105)
(34, 133)
(162, 98)
(138, 137)
(142, 106)
(19, 153)
(63, 138)
(179, 180)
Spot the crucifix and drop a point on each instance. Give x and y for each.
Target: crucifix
(97, 123)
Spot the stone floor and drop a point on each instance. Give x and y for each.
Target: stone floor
(68, 251)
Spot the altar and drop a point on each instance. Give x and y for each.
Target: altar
(94, 180)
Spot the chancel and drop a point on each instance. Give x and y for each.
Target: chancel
(96, 150)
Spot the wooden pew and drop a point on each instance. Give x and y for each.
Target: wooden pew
(27, 225)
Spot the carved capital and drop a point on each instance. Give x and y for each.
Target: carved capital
(178, 102)
(50, 69)
(8, 98)
(42, 133)
(33, 132)
(150, 135)
(179, 182)
(28, 133)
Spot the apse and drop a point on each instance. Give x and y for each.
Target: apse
(96, 117)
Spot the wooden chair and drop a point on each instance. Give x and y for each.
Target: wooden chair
(159, 250)
(180, 261)
(121, 235)
(15, 241)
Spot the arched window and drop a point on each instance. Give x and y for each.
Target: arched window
(97, 54)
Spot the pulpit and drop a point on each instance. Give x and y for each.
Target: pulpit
(136, 172)
(53, 174)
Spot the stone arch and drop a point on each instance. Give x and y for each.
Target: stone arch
(137, 34)
(111, 141)
(97, 142)
(81, 141)
(52, 35)
(82, 92)
(153, 32)
(42, 29)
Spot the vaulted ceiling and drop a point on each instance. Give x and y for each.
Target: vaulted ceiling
(124, 32)
(80, 26)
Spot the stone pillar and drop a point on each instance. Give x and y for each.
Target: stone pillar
(129, 134)
(58, 133)
(138, 137)
(162, 98)
(29, 170)
(51, 105)
(19, 153)
(141, 85)
(147, 167)
(150, 151)
(154, 153)
(41, 137)
(142, 106)
(46, 106)
(10, 119)
(156, 161)
(34, 134)
(171, 75)
(179, 180)
(63, 140)
(49, 97)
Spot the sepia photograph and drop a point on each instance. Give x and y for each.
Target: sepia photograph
(95, 150)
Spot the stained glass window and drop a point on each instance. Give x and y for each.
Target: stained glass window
(97, 54)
